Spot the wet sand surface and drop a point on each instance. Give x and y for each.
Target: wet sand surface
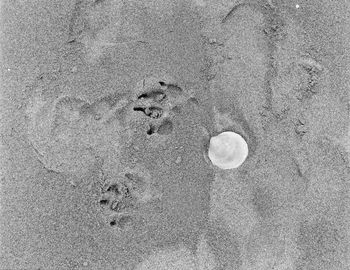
(107, 111)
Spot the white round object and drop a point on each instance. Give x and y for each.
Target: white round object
(228, 150)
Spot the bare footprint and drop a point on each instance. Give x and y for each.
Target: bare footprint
(53, 133)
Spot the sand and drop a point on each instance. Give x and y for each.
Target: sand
(102, 93)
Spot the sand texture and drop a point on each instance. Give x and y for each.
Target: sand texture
(107, 110)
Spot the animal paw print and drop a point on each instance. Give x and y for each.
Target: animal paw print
(158, 100)
(126, 191)
(122, 223)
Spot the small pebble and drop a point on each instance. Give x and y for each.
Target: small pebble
(178, 160)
